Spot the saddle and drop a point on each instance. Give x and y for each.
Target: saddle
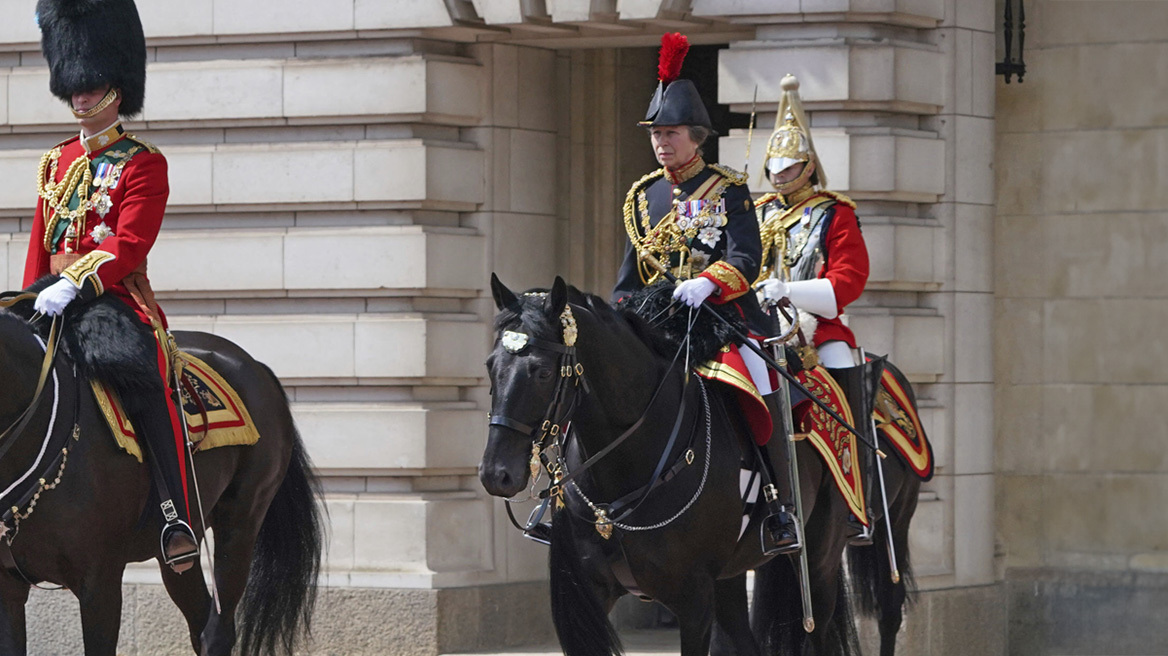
(212, 409)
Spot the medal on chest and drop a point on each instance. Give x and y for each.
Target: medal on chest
(702, 219)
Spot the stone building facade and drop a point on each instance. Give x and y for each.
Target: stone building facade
(345, 175)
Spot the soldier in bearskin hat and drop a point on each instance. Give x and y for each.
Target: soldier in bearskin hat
(101, 199)
(698, 219)
(814, 255)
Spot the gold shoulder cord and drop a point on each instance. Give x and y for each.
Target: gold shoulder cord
(630, 224)
(56, 195)
(78, 178)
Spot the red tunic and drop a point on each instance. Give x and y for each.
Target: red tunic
(846, 257)
(846, 267)
(138, 204)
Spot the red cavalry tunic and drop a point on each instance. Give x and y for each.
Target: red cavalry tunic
(843, 253)
(130, 186)
(137, 202)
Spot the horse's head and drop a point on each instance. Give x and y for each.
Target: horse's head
(525, 367)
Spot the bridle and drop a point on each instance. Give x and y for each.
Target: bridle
(553, 427)
(565, 398)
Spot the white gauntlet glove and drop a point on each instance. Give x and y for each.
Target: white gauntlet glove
(773, 290)
(693, 292)
(816, 296)
(53, 299)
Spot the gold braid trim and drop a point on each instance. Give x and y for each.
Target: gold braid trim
(733, 176)
(151, 148)
(839, 197)
(56, 195)
(729, 276)
(630, 206)
(86, 269)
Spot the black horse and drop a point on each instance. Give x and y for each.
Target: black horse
(691, 559)
(261, 501)
(879, 591)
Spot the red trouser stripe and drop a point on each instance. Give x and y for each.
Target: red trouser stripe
(175, 428)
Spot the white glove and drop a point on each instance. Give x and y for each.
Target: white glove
(816, 296)
(53, 299)
(693, 292)
(773, 290)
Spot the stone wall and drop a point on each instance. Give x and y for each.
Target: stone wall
(345, 177)
(1082, 221)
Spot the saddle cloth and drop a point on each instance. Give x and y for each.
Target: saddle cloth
(897, 417)
(227, 420)
(834, 443)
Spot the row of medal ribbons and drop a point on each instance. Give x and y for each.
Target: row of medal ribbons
(701, 213)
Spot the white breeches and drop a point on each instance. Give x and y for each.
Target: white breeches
(757, 368)
(836, 354)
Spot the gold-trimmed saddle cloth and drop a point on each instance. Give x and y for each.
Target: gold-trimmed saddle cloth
(226, 422)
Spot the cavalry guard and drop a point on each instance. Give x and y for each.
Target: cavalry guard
(815, 256)
(697, 218)
(101, 200)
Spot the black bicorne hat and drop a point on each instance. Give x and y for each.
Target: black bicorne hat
(675, 102)
(93, 43)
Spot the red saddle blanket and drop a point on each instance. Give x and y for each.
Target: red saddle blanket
(835, 444)
(225, 423)
(897, 417)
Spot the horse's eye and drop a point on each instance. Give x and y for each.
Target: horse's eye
(544, 374)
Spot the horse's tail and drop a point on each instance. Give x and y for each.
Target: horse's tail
(581, 622)
(872, 574)
(842, 636)
(281, 591)
(777, 616)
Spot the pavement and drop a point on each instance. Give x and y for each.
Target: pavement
(636, 643)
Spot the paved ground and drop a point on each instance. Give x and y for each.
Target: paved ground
(637, 643)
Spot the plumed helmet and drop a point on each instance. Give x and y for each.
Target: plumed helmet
(675, 102)
(92, 43)
(791, 143)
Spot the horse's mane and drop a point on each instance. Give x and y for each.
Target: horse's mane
(14, 320)
(650, 315)
(671, 325)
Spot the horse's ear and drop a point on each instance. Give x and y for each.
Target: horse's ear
(558, 297)
(504, 298)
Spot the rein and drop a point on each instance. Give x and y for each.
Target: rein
(18, 426)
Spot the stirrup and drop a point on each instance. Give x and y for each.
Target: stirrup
(540, 532)
(861, 537)
(770, 546)
(184, 560)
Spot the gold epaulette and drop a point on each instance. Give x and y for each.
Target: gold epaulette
(839, 198)
(150, 148)
(765, 198)
(729, 173)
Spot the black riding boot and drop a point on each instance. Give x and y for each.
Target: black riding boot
(781, 531)
(860, 535)
(151, 419)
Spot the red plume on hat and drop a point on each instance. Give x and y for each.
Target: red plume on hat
(676, 101)
(674, 47)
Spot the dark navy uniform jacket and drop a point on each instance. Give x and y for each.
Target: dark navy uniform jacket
(729, 255)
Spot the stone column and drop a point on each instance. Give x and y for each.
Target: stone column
(901, 103)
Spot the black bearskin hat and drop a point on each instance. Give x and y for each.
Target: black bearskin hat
(91, 43)
(676, 102)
